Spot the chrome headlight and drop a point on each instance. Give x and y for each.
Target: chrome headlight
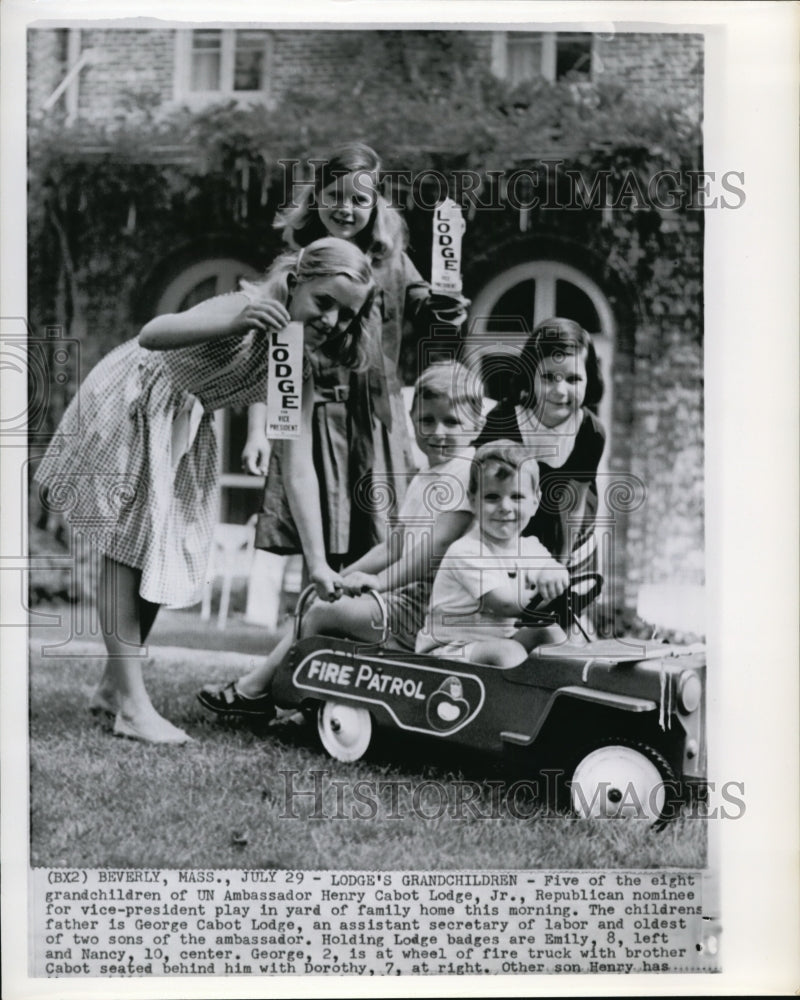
(690, 690)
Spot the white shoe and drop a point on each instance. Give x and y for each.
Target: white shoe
(161, 731)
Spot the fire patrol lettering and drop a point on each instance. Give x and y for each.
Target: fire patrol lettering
(372, 680)
(331, 672)
(366, 678)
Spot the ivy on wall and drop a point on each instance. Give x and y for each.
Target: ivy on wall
(110, 203)
(116, 209)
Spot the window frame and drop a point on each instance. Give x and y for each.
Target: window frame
(549, 53)
(183, 68)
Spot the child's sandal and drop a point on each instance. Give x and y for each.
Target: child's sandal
(227, 700)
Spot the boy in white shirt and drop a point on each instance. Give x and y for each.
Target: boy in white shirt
(447, 413)
(490, 574)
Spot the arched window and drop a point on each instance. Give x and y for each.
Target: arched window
(507, 309)
(503, 315)
(202, 280)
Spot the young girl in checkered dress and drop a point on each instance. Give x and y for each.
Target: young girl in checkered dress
(134, 460)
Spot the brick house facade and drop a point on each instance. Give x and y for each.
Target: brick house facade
(637, 287)
(126, 60)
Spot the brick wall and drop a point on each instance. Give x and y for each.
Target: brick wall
(668, 65)
(318, 55)
(658, 386)
(46, 64)
(309, 55)
(126, 62)
(665, 541)
(143, 61)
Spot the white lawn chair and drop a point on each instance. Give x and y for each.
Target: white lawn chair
(231, 557)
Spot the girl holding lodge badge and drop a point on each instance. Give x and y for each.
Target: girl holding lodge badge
(360, 438)
(446, 411)
(134, 458)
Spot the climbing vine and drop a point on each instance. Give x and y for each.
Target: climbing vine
(110, 202)
(116, 209)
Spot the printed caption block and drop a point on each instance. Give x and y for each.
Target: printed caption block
(285, 382)
(266, 922)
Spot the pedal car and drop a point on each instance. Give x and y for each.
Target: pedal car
(621, 720)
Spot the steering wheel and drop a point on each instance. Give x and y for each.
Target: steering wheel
(567, 607)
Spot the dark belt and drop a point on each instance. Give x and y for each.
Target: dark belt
(333, 394)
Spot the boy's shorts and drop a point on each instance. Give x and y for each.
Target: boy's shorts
(407, 607)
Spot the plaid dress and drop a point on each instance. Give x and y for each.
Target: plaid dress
(134, 459)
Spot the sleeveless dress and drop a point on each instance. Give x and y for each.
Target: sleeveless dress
(337, 419)
(134, 459)
(362, 449)
(562, 489)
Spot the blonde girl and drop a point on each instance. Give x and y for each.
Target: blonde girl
(134, 461)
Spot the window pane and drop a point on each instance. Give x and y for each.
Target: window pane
(206, 59)
(235, 440)
(202, 291)
(248, 72)
(207, 39)
(573, 54)
(524, 54)
(573, 303)
(62, 44)
(513, 311)
(238, 505)
(250, 40)
(497, 373)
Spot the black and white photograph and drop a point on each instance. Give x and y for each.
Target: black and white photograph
(392, 584)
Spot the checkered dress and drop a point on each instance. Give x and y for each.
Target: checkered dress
(116, 469)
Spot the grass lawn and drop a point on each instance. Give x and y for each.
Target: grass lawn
(222, 801)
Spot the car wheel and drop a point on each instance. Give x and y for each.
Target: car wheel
(623, 779)
(344, 731)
